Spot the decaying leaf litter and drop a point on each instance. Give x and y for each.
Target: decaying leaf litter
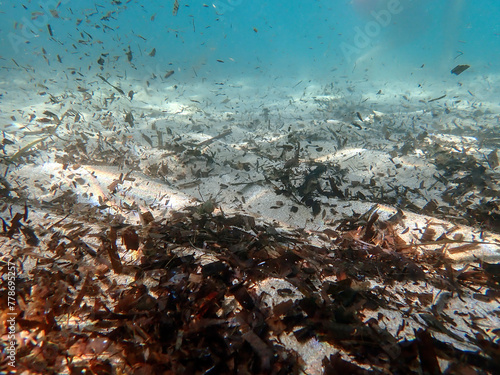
(158, 242)
(201, 234)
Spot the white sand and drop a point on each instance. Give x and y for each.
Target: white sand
(79, 160)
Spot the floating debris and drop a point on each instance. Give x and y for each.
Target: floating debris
(113, 86)
(266, 214)
(129, 54)
(213, 139)
(22, 151)
(129, 118)
(493, 159)
(438, 98)
(459, 69)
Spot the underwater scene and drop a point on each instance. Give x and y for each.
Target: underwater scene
(250, 187)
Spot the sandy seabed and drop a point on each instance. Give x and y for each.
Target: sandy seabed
(354, 172)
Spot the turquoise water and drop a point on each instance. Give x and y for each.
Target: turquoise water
(311, 115)
(298, 40)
